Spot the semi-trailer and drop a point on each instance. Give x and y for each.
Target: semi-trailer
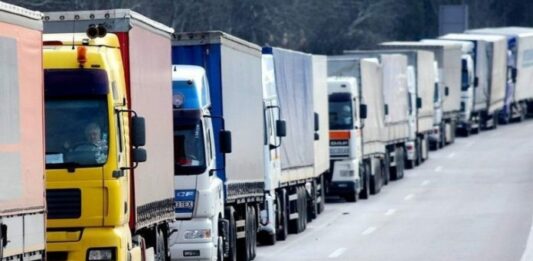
(448, 91)
(490, 56)
(223, 218)
(22, 202)
(518, 94)
(357, 147)
(420, 85)
(470, 114)
(109, 166)
(294, 87)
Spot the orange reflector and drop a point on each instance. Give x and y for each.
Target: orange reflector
(339, 135)
(82, 55)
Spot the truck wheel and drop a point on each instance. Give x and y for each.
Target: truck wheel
(365, 192)
(418, 153)
(232, 237)
(253, 237)
(400, 167)
(385, 168)
(294, 206)
(283, 227)
(243, 244)
(160, 246)
(376, 180)
(312, 205)
(322, 193)
(303, 208)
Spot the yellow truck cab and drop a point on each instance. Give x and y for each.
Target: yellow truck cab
(109, 165)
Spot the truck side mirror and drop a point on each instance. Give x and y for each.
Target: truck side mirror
(386, 109)
(446, 91)
(514, 74)
(281, 128)
(317, 123)
(418, 102)
(317, 136)
(138, 155)
(362, 111)
(225, 141)
(476, 82)
(3, 235)
(138, 137)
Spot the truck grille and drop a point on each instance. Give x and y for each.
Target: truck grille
(63, 203)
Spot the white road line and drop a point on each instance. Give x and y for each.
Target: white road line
(528, 251)
(451, 155)
(409, 197)
(390, 212)
(438, 169)
(425, 183)
(368, 231)
(337, 252)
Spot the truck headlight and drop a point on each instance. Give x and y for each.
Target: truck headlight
(197, 234)
(347, 173)
(101, 254)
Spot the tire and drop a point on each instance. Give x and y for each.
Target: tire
(365, 192)
(243, 244)
(160, 248)
(385, 169)
(376, 180)
(418, 154)
(321, 204)
(253, 237)
(401, 172)
(283, 227)
(232, 255)
(295, 225)
(303, 208)
(312, 205)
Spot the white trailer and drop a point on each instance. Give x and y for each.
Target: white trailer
(448, 56)
(490, 68)
(22, 202)
(421, 87)
(519, 94)
(357, 147)
(293, 87)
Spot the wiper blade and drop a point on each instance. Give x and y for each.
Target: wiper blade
(70, 166)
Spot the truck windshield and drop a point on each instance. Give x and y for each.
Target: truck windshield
(76, 132)
(189, 153)
(340, 112)
(464, 80)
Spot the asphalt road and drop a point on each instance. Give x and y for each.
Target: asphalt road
(472, 200)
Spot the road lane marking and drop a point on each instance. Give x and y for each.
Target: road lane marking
(390, 212)
(451, 155)
(337, 252)
(425, 183)
(409, 197)
(438, 169)
(528, 251)
(368, 231)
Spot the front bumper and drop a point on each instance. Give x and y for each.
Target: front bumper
(195, 249)
(343, 187)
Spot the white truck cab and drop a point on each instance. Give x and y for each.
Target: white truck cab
(345, 126)
(199, 196)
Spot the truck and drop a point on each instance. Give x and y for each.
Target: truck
(469, 121)
(448, 91)
(223, 220)
(490, 55)
(294, 88)
(22, 202)
(519, 94)
(420, 85)
(109, 164)
(357, 143)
